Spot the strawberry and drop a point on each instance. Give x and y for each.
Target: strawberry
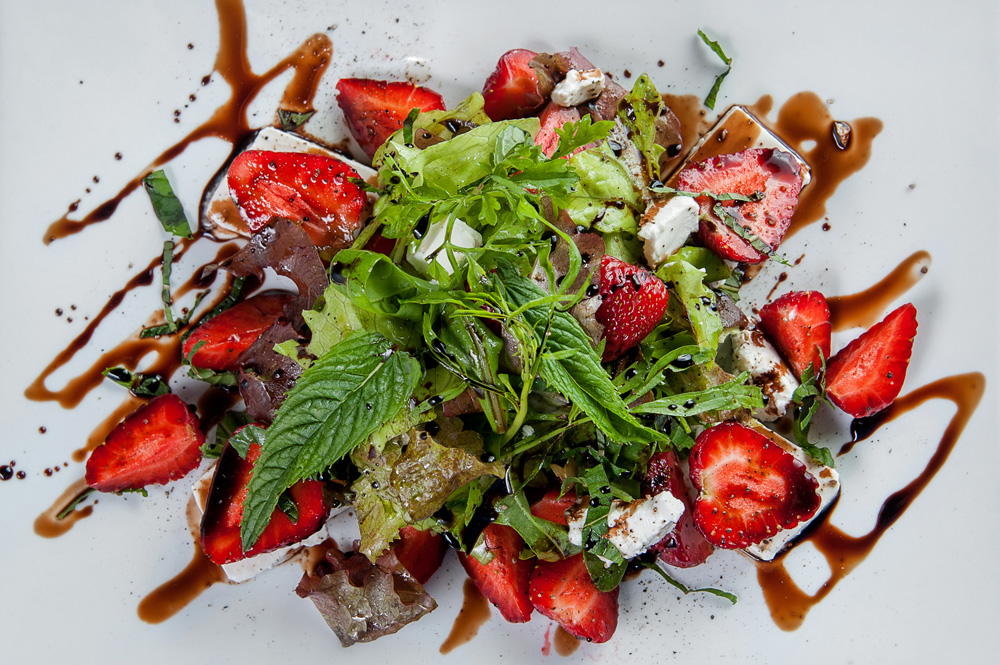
(553, 507)
(504, 580)
(420, 552)
(225, 337)
(563, 591)
(634, 301)
(798, 324)
(511, 91)
(766, 171)
(684, 547)
(220, 525)
(553, 118)
(312, 190)
(749, 487)
(867, 374)
(375, 110)
(157, 443)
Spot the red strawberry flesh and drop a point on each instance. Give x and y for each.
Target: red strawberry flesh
(157, 443)
(225, 337)
(375, 110)
(312, 190)
(767, 171)
(220, 524)
(684, 547)
(563, 591)
(553, 507)
(749, 487)
(511, 91)
(867, 374)
(634, 301)
(553, 118)
(420, 552)
(798, 325)
(504, 580)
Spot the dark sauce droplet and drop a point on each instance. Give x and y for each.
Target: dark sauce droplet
(6, 473)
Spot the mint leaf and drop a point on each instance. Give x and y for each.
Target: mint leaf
(345, 396)
(166, 205)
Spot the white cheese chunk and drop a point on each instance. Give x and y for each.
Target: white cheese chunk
(666, 227)
(829, 488)
(753, 353)
(219, 215)
(578, 87)
(635, 527)
(576, 518)
(430, 247)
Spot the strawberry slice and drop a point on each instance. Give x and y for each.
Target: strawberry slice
(375, 110)
(553, 118)
(220, 525)
(157, 443)
(749, 487)
(562, 591)
(798, 324)
(867, 374)
(511, 91)
(227, 335)
(553, 507)
(504, 580)
(634, 301)
(684, 547)
(772, 173)
(312, 190)
(420, 552)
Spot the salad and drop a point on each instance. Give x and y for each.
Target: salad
(517, 335)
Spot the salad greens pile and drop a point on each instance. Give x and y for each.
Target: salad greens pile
(438, 392)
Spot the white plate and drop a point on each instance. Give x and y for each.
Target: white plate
(83, 81)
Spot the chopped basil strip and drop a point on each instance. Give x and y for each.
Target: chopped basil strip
(717, 49)
(166, 205)
(292, 120)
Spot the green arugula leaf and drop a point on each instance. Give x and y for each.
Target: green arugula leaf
(292, 120)
(717, 49)
(806, 400)
(548, 540)
(638, 112)
(731, 395)
(231, 421)
(166, 205)
(345, 396)
(580, 377)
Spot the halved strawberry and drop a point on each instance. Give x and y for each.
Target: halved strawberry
(376, 109)
(749, 487)
(420, 552)
(157, 443)
(220, 525)
(511, 91)
(553, 118)
(504, 580)
(227, 335)
(312, 190)
(867, 374)
(757, 171)
(553, 507)
(563, 591)
(798, 324)
(634, 301)
(684, 547)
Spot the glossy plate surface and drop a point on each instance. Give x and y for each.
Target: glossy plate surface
(83, 82)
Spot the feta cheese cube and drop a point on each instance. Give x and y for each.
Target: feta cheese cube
(666, 227)
(430, 247)
(635, 527)
(578, 87)
(753, 353)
